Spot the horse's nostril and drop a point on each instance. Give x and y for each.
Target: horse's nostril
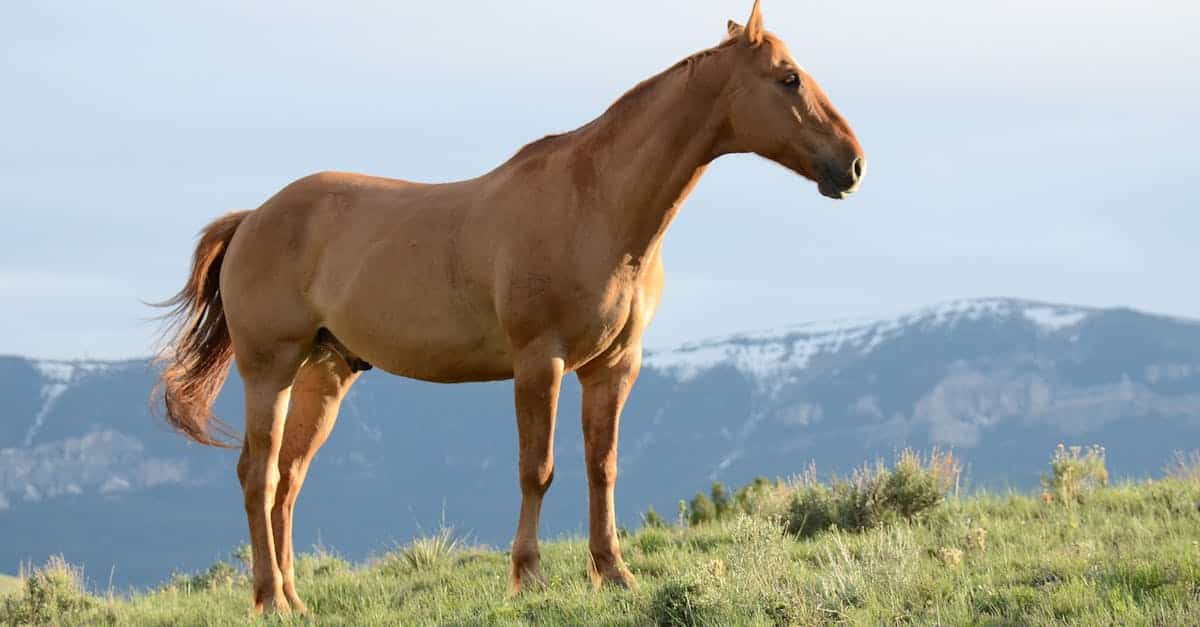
(856, 168)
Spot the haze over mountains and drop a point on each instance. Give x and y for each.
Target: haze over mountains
(86, 471)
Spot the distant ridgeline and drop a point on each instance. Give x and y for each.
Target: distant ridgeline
(86, 471)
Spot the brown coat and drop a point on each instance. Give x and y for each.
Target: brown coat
(546, 265)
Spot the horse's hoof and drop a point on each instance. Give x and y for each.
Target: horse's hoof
(293, 599)
(526, 577)
(613, 574)
(298, 606)
(273, 606)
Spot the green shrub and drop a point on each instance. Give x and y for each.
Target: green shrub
(701, 510)
(917, 484)
(652, 540)
(222, 574)
(722, 502)
(872, 496)
(678, 604)
(761, 497)
(652, 520)
(219, 575)
(1074, 472)
(50, 594)
(813, 509)
(243, 555)
(320, 563)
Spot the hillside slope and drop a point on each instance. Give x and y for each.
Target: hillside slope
(86, 471)
(1127, 555)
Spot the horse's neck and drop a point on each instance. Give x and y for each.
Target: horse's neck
(648, 156)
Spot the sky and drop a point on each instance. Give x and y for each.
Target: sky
(1042, 150)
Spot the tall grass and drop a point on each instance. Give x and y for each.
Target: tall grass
(1184, 466)
(1126, 553)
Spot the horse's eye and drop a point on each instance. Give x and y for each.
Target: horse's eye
(792, 80)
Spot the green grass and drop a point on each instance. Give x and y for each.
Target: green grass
(9, 584)
(1126, 554)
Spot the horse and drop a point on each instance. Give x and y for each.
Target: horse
(550, 264)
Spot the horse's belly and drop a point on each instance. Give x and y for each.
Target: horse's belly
(420, 328)
(425, 349)
(411, 306)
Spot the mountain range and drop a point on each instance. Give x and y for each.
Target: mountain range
(87, 470)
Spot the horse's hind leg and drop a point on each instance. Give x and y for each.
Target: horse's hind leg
(268, 371)
(316, 396)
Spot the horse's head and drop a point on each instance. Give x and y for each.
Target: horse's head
(778, 111)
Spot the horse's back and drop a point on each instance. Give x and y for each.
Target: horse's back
(278, 250)
(383, 264)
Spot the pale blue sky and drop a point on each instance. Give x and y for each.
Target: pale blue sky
(1033, 149)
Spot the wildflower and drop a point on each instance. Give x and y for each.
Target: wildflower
(951, 557)
(977, 539)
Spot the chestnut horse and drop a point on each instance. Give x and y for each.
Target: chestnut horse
(547, 265)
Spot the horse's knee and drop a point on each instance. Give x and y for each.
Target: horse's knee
(536, 478)
(602, 469)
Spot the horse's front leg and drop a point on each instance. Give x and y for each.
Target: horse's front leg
(537, 378)
(605, 387)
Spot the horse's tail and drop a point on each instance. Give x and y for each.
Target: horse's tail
(195, 360)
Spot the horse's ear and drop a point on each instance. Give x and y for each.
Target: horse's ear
(754, 26)
(734, 29)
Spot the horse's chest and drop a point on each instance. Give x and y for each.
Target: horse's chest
(585, 317)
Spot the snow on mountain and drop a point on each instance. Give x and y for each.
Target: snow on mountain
(101, 460)
(772, 353)
(57, 377)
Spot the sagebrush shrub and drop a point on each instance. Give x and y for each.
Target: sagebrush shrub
(1074, 472)
(222, 574)
(218, 575)
(50, 594)
(652, 540)
(652, 519)
(872, 495)
(915, 484)
(701, 510)
(763, 498)
(721, 499)
(718, 504)
(813, 509)
(678, 603)
(322, 562)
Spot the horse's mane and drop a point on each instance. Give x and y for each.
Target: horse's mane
(625, 103)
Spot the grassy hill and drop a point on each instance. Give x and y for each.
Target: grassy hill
(1124, 554)
(9, 584)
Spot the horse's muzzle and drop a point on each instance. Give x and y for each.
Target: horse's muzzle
(838, 181)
